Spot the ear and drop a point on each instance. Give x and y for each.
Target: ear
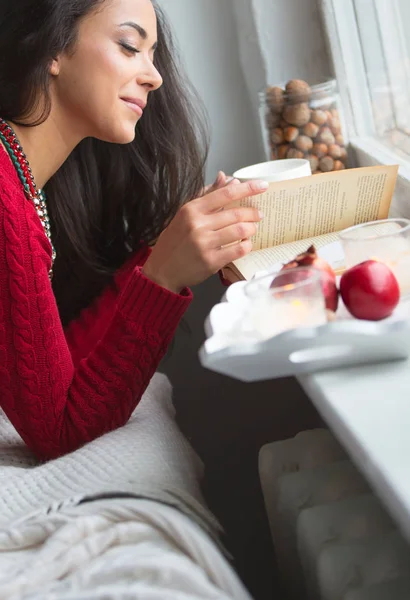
(55, 67)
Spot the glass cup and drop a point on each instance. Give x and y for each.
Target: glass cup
(285, 300)
(387, 241)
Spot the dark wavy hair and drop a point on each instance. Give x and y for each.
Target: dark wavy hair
(107, 199)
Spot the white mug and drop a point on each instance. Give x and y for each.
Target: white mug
(275, 170)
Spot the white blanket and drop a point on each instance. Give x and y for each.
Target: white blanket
(113, 549)
(56, 543)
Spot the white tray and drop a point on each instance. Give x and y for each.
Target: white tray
(345, 342)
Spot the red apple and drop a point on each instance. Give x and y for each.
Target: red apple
(370, 290)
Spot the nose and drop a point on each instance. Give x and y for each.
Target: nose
(150, 76)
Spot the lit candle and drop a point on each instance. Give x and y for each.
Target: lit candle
(401, 269)
(286, 300)
(387, 241)
(396, 256)
(272, 316)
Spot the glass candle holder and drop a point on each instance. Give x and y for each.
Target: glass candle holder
(387, 241)
(285, 300)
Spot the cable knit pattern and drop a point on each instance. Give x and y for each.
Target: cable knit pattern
(61, 389)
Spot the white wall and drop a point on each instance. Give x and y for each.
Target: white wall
(206, 34)
(292, 39)
(231, 50)
(280, 40)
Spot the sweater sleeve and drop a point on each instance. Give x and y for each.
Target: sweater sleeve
(83, 333)
(55, 403)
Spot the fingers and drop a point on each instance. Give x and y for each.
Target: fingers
(225, 218)
(230, 253)
(234, 233)
(220, 181)
(232, 192)
(215, 185)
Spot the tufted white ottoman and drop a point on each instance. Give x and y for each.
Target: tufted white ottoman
(324, 526)
(399, 589)
(333, 538)
(296, 474)
(345, 566)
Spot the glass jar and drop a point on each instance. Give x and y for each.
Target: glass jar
(302, 121)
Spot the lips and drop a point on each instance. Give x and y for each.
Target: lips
(135, 104)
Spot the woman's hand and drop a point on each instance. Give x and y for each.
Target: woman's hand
(204, 236)
(221, 181)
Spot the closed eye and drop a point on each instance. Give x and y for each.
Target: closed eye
(129, 48)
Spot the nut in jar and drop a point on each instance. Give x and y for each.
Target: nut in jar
(304, 121)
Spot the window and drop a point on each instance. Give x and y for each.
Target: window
(369, 42)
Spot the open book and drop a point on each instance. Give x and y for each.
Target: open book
(311, 210)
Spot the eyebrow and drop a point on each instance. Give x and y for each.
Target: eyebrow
(140, 30)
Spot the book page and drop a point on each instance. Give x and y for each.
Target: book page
(298, 209)
(262, 260)
(329, 246)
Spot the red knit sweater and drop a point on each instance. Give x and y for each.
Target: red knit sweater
(62, 388)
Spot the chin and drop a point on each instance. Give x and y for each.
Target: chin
(121, 135)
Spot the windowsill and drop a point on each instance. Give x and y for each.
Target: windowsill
(367, 408)
(369, 151)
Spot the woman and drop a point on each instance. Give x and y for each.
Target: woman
(99, 158)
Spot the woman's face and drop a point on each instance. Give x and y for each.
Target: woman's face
(101, 88)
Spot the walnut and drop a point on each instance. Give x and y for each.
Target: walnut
(297, 114)
(319, 117)
(320, 150)
(339, 139)
(314, 162)
(335, 151)
(293, 153)
(298, 91)
(272, 119)
(283, 150)
(290, 133)
(334, 123)
(311, 130)
(275, 98)
(343, 155)
(338, 166)
(326, 136)
(304, 143)
(276, 136)
(326, 164)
